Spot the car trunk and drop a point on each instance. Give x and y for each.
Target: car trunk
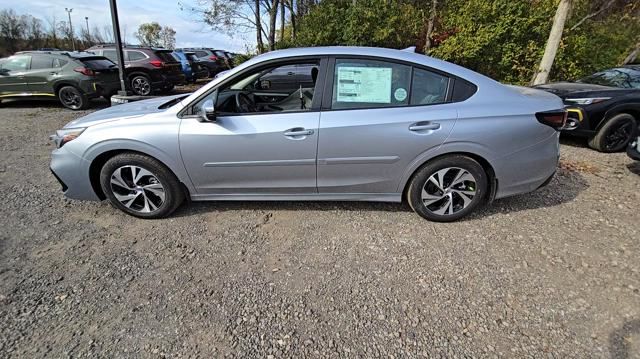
(171, 65)
(104, 68)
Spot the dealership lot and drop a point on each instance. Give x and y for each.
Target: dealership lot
(556, 271)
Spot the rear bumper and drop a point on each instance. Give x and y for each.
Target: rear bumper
(96, 88)
(528, 169)
(72, 172)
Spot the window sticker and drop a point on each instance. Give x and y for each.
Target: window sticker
(364, 84)
(400, 94)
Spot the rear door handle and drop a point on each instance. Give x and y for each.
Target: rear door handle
(298, 131)
(424, 126)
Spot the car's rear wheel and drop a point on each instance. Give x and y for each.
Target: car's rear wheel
(71, 98)
(141, 85)
(140, 186)
(615, 134)
(209, 74)
(448, 188)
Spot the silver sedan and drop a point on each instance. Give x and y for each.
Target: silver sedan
(325, 123)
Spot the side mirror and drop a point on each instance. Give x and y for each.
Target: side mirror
(208, 111)
(4, 71)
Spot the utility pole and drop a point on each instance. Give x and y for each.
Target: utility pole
(86, 18)
(119, 53)
(73, 41)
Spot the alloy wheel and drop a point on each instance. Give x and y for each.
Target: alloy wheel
(448, 191)
(137, 189)
(141, 86)
(618, 138)
(70, 98)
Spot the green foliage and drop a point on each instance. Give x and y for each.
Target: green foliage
(367, 23)
(504, 39)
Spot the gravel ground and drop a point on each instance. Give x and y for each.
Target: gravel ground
(553, 274)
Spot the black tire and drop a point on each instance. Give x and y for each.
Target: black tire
(615, 134)
(72, 98)
(448, 191)
(209, 73)
(141, 85)
(140, 200)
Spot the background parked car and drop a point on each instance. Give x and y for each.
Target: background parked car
(607, 104)
(147, 69)
(633, 150)
(209, 59)
(191, 66)
(72, 77)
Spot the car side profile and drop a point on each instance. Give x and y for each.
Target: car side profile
(365, 124)
(73, 78)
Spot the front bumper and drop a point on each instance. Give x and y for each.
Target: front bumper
(72, 172)
(633, 150)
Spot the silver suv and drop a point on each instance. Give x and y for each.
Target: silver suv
(365, 124)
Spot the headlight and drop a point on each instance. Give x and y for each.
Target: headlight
(66, 135)
(587, 100)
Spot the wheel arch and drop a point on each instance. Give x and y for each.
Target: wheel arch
(632, 109)
(98, 162)
(62, 83)
(486, 165)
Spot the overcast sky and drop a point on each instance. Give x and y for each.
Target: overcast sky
(189, 31)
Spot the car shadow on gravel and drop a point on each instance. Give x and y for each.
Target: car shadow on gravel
(619, 341)
(634, 167)
(565, 187)
(95, 104)
(196, 208)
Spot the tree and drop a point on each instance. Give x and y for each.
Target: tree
(168, 37)
(149, 34)
(430, 25)
(633, 55)
(555, 35)
(11, 29)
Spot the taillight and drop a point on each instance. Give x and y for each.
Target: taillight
(156, 63)
(85, 71)
(556, 118)
(213, 57)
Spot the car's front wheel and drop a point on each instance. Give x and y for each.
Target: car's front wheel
(615, 134)
(140, 186)
(448, 188)
(141, 85)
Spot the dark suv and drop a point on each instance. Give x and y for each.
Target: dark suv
(209, 59)
(72, 77)
(147, 68)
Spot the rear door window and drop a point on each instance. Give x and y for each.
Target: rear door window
(359, 84)
(428, 87)
(135, 55)
(39, 62)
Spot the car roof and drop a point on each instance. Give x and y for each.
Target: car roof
(393, 54)
(72, 54)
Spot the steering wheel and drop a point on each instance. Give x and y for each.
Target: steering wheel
(244, 103)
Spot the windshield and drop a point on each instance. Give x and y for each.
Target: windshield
(620, 77)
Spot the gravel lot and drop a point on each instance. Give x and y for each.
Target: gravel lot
(554, 273)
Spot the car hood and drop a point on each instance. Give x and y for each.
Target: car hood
(124, 111)
(565, 88)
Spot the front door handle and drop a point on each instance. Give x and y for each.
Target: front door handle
(424, 126)
(297, 132)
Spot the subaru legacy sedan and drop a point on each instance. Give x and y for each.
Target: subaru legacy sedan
(324, 123)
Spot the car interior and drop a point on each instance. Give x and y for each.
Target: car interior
(283, 88)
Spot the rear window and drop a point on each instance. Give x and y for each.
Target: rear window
(220, 53)
(192, 57)
(165, 56)
(201, 53)
(98, 64)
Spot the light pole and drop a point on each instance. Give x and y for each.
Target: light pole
(86, 18)
(73, 42)
(119, 53)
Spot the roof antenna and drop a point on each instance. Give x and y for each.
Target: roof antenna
(410, 49)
